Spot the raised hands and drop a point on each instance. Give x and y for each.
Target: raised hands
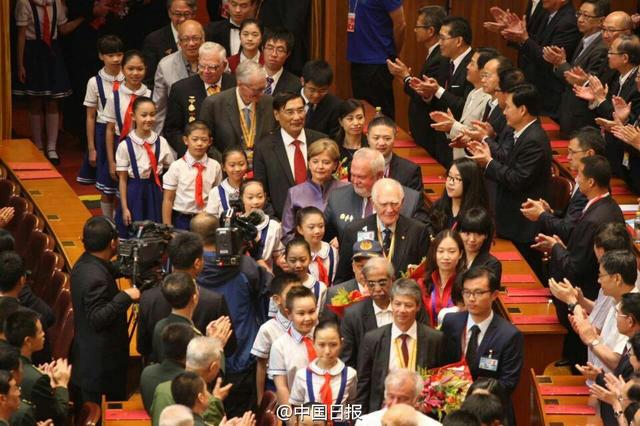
(532, 209)
(576, 75)
(221, 392)
(554, 55)
(220, 329)
(627, 134)
(442, 121)
(248, 419)
(398, 69)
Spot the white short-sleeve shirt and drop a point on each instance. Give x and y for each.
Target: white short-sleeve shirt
(109, 113)
(268, 333)
(272, 244)
(288, 354)
(309, 283)
(323, 254)
(214, 204)
(24, 16)
(300, 392)
(181, 177)
(92, 96)
(123, 162)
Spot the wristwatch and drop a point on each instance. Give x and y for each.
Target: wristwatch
(594, 343)
(571, 307)
(617, 414)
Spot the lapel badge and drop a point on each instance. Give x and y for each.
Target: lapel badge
(342, 216)
(168, 51)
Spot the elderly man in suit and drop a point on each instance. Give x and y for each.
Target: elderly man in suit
(175, 67)
(187, 95)
(404, 241)
(164, 41)
(404, 343)
(240, 116)
(277, 45)
(227, 32)
(280, 160)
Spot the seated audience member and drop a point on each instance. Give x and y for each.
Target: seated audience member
(401, 386)
(461, 418)
(405, 343)
(7, 307)
(176, 415)
(176, 66)
(9, 396)
(321, 107)
(585, 142)
(624, 397)
(250, 42)
(240, 116)
(489, 386)
(381, 134)
(175, 338)
(187, 95)
(403, 240)
(186, 255)
(401, 415)
(491, 345)
(368, 314)
(464, 189)
(445, 261)
(350, 136)
(353, 202)
(6, 214)
(476, 230)
(10, 362)
(276, 48)
(203, 358)
(47, 393)
(227, 31)
(487, 408)
(189, 389)
(323, 159)
(280, 160)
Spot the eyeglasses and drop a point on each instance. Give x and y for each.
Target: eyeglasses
(579, 14)
(208, 68)
(187, 39)
(603, 275)
(575, 151)
(620, 314)
(185, 15)
(611, 30)
(380, 283)
(444, 37)
(486, 75)
(390, 204)
(255, 90)
(291, 111)
(417, 27)
(454, 179)
(279, 50)
(615, 53)
(474, 293)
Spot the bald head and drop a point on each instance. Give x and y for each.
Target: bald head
(400, 415)
(205, 224)
(190, 37)
(614, 25)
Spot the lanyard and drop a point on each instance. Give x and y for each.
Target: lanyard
(388, 256)
(412, 354)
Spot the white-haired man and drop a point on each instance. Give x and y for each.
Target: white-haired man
(176, 415)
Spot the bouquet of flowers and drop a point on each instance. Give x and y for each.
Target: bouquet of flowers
(342, 172)
(444, 388)
(415, 272)
(343, 299)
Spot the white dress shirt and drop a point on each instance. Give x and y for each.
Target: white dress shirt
(287, 139)
(394, 362)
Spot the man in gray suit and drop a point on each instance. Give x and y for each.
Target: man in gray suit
(176, 66)
(240, 116)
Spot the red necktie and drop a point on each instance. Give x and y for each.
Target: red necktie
(405, 349)
(325, 391)
(322, 271)
(126, 127)
(153, 161)
(199, 199)
(46, 26)
(299, 166)
(311, 352)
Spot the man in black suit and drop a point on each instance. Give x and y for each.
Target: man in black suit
(427, 31)
(277, 45)
(491, 345)
(381, 135)
(280, 158)
(405, 241)
(525, 172)
(240, 116)
(164, 41)
(405, 343)
(186, 96)
(586, 142)
(320, 105)
(186, 255)
(227, 32)
(100, 352)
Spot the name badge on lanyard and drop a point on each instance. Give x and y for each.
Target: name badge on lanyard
(488, 363)
(351, 22)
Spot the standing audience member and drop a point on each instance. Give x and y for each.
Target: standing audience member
(320, 105)
(227, 32)
(250, 43)
(350, 136)
(176, 415)
(476, 230)
(486, 408)
(277, 45)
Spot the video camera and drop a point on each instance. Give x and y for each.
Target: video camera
(236, 235)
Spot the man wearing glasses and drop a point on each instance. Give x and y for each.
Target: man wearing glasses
(187, 95)
(491, 345)
(277, 46)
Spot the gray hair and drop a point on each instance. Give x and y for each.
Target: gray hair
(386, 184)
(400, 376)
(406, 287)
(378, 262)
(371, 156)
(211, 47)
(202, 352)
(191, 4)
(248, 69)
(176, 415)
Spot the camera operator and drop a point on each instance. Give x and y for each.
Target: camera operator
(101, 343)
(243, 287)
(185, 254)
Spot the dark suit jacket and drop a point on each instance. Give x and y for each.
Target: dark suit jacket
(287, 82)
(458, 89)
(373, 362)
(220, 31)
(406, 172)
(562, 224)
(222, 115)
(271, 166)
(486, 259)
(325, 116)
(578, 262)
(411, 244)
(156, 46)
(155, 374)
(178, 114)
(154, 307)
(358, 320)
(525, 175)
(497, 120)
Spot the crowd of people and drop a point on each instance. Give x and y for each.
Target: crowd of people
(205, 123)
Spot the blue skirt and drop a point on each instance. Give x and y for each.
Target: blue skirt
(45, 69)
(104, 183)
(144, 198)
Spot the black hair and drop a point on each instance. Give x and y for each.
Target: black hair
(634, 341)
(590, 138)
(297, 292)
(233, 150)
(346, 107)
(281, 99)
(301, 215)
(630, 411)
(281, 281)
(504, 63)
(20, 325)
(8, 305)
(432, 264)
(142, 100)
(597, 167)
(196, 125)
(458, 27)
(461, 418)
(295, 242)
(630, 305)
(487, 408)
(601, 7)
(318, 72)
(383, 120)
(612, 236)
(109, 43)
(98, 232)
(11, 270)
(130, 54)
(432, 16)
(485, 54)
(184, 249)
(482, 272)
(479, 221)
(630, 46)
(528, 96)
(491, 385)
(251, 21)
(510, 78)
(327, 324)
(175, 339)
(5, 382)
(279, 34)
(185, 388)
(248, 183)
(9, 358)
(621, 262)
(7, 242)
(178, 289)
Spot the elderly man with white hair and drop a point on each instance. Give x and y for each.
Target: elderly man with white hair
(187, 95)
(176, 415)
(404, 241)
(240, 116)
